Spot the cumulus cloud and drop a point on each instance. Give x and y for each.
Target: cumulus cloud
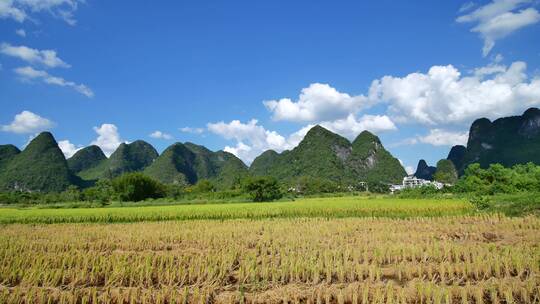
(108, 138)
(28, 73)
(318, 102)
(444, 96)
(27, 122)
(350, 127)
(68, 148)
(437, 137)
(252, 138)
(499, 19)
(160, 135)
(8, 10)
(47, 58)
(192, 130)
(20, 10)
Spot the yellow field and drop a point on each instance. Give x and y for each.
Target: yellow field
(458, 259)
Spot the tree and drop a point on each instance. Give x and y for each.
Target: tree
(202, 186)
(137, 187)
(263, 189)
(446, 172)
(71, 194)
(101, 192)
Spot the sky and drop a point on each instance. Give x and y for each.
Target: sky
(247, 76)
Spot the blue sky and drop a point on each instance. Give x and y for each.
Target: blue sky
(252, 75)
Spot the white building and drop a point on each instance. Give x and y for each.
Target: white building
(412, 181)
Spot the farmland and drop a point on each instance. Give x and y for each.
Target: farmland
(331, 250)
(333, 207)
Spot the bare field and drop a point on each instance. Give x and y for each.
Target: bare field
(457, 259)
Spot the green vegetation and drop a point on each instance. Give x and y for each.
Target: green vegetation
(328, 156)
(371, 162)
(513, 191)
(320, 154)
(497, 179)
(456, 155)
(506, 141)
(424, 171)
(263, 189)
(262, 165)
(86, 158)
(127, 158)
(7, 152)
(336, 207)
(516, 204)
(173, 166)
(134, 187)
(188, 163)
(40, 167)
(446, 172)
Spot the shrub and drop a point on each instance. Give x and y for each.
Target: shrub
(263, 189)
(498, 179)
(137, 187)
(101, 192)
(446, 172)
(202, 186)
(312, 185)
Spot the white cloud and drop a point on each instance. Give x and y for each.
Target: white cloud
(19, 10)
(108, 138)
(409, 169)
(47, 58)
(443, 96)
(28, 73)
(28, 122)
(160, 135)
(253, 139)
(21, 32)
(466, 7)
(439, 137)
(192, 130)
(68, 148)
(318, 102)
(499, 19)
(350, 127)
(8, 10)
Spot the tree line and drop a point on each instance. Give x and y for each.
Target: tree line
(133, 187)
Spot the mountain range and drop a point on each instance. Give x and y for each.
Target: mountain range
(326, 155)
(507, 141)
(41, 166)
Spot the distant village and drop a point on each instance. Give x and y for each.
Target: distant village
(412, 181)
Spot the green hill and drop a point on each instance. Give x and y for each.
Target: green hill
(326, 155)
(262, 165)
(507, 141)
(132, 157)
(7, 153)
(446, 172)
(370, 161)
(40, 167)
(456, 155)
(188, 163)
(424, 171)
(86, 158)
(173, 166)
